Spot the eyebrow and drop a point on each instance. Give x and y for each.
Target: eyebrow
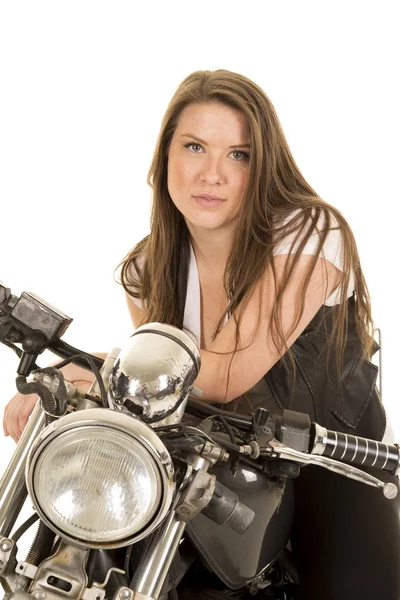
(205, 143)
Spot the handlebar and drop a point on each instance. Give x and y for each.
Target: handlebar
(356, 450)
(37, 325)
(293, 430)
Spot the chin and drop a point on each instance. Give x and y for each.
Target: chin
(198, 224)
(207, 224)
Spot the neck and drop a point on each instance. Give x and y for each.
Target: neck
(211, 248)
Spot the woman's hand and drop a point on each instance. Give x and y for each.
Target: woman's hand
(20, 407)
(17, 413)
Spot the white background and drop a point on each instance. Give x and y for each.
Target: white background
(84, 86)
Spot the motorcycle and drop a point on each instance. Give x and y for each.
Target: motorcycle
(141, 490)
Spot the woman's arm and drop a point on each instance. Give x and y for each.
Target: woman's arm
(249, 365)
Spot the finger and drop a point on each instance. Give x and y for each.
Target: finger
(8, 425)
(5, 428)
(12, 417)
(12, 432)
(15, 438)
(5, 419)
(17, 413)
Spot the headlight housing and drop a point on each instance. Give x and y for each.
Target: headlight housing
(154, 373)
(100, 478)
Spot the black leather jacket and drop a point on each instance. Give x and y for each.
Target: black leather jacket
(356, 408)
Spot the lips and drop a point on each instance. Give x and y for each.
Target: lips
(209, 197)
(208, 201)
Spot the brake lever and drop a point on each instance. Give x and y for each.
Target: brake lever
(389, 490)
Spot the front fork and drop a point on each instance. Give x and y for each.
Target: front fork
(13, 494)
(156, 561)
(12, 485)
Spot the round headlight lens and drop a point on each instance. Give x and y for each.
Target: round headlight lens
(97, 484)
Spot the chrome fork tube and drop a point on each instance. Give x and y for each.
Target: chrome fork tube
(12, 485)
(156, 561)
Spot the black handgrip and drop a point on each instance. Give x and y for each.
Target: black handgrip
(356, 450)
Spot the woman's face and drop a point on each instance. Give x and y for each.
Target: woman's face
(209, 154)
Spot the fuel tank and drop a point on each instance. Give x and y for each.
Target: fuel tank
(237, 559)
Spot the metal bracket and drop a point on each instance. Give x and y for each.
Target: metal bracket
(62, 575)
(26, 569)
(93, 593)
(8, 550)
(196, 496)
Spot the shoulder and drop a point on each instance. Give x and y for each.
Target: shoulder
(323, 232)
(313, 219)
(303, 231)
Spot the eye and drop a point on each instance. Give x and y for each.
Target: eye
(245, 155)
(242, 155)
(192, 144)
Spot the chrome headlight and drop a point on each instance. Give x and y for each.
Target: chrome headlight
(154, 373)
(100, 478)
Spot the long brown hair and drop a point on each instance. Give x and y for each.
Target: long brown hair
(275, 190)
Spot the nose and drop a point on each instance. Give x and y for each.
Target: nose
(212, 171)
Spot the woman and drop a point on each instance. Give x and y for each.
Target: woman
(244, 255)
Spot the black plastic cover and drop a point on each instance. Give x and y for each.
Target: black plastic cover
(237, 559)
(36, 314)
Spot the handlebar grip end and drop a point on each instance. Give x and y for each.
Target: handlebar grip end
(390, 491)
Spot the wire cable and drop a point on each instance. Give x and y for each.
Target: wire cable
(95, 370)
(24, 527)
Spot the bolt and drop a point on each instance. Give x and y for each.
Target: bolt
(39, 595)
(164, 457)
(5, 545)
(184, 510)
(125, 594)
